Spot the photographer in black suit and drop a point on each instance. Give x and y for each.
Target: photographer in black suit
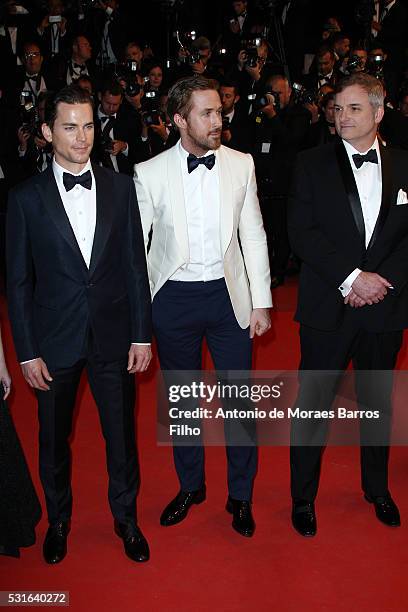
(236, 132)
(348, 223)
(280, 130)
(79, 296)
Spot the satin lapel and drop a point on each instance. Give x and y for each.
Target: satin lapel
(225, 183)
(105, 205)
(48, 190)
(178, 206)
(351, 188)
(386, 174)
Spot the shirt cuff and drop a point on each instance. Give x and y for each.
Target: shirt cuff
(126, 151)
(345, 287)
(141, 344)
(28, 361)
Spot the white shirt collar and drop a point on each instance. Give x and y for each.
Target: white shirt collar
(59, 170)
(387, 8)
(184, 154)
(352, 151)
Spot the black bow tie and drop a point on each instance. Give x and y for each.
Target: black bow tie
(193, 162)
(371, 156)
(70, 180)
(32, 77)
(81, 67)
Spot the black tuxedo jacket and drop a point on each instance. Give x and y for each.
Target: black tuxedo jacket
(392, 36)
(53, 298)
(326, 230)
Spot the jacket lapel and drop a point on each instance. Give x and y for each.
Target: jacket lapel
(351, 188)
(47, 187)
(386, 173)
(225, 183)
(176, 193)
(105, 204)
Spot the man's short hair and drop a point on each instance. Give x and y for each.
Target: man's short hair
(72, 94)
(323, 50)
(111, 86)
(372, 86)
(230, 83)
(179, 101)
(201, 43)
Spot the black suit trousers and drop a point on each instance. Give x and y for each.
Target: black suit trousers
(333, 350)
(113, 389)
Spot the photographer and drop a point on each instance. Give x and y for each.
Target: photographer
(34, 152)
(53, 30)
(117, 135)
(280, 131)
(108, 30)
(29, 79)
(157, 130)
(323, 131)
(235, 123)
(63, 72)
(323, 70)
(248, 71)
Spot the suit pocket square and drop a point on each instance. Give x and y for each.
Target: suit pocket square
(402, 197)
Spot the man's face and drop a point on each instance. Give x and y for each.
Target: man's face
(204, 122)
(329, 112)
(356, 120)
(228, 99)
(325, 64)
(32, 59)
(110, 103)
(239, 7)
(282, 87)
(404, 106)
(134, 53)
(342, 47)
(72, 135)
(156, 77)
(55, 7)
(83, 48)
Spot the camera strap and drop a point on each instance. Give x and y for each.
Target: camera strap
(54, 38)
(28, 80)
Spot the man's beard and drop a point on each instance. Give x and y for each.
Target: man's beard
(207, 144)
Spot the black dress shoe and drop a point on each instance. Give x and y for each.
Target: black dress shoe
(178, 508)
(134, 542)
(55, 543)
(386, 510)
(242, 519)
(304, 518)
(276, 281)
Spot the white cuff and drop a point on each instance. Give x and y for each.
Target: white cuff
(345, 287)
(141, 343)
(28, 361)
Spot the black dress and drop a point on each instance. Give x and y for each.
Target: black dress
(20, 508)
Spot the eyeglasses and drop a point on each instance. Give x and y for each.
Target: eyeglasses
(32, 54)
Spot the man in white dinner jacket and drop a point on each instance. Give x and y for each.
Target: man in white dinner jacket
(197, 197)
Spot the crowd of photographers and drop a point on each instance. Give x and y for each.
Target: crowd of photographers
(276, 84)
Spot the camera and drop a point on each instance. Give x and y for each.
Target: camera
(225, 123)
(375, 66)
(128, 71)
(185, 40)
(29, 113)
(151, 113)
(106, 143)
(301, 95)
(54, 19)
(355, 64)
(250, 46)
(265, 98)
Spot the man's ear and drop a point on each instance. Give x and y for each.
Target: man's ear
(379, 114)
(180, 121)
(47, 132)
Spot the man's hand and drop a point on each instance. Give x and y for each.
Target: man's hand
(234, 26)
(370, 287)
(41, 143)
(314, 111)
(117, 147)
(376, 26)
(23, 136)
(260, 322)
(139, 358)
(160, 129)
(5, 379)
(354, 301)
(36, 373)
(226, 135)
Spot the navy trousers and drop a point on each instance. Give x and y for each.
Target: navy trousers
(184, 313)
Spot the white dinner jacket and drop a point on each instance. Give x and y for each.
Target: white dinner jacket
(160, 194)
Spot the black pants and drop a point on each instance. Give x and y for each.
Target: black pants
(184, 313)
(113, 389)
(274, 214)
(332, 350)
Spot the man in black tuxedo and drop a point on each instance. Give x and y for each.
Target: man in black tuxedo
(348, 223)
(78, 296)
(236, 132)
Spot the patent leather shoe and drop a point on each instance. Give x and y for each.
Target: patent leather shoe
(177, 510)
(55, 543)
(386, 510)
(134, 542)
(242, 519)
(304, 518)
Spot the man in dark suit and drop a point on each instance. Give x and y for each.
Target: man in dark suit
(348, 223)
(78, 296)
(236, 132)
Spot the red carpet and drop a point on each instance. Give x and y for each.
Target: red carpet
(354, 562)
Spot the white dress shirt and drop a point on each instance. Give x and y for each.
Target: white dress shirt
(202, 201)
(369, 185)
